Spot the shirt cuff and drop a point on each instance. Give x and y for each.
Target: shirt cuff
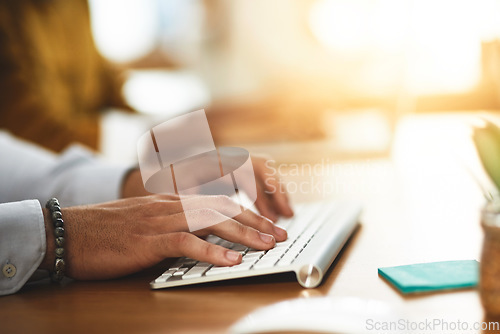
(22, 243)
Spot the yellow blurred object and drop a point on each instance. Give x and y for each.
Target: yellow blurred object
(53, 82)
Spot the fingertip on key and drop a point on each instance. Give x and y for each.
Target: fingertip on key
(280, 232)
(267, 238)
(233, 256)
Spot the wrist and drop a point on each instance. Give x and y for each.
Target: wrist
(132, 185)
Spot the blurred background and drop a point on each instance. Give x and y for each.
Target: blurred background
(336, 73)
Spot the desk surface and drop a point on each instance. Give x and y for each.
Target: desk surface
(420, 206)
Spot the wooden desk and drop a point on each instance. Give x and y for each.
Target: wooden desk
(420, 205)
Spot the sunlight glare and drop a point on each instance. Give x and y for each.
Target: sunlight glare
(438, 42)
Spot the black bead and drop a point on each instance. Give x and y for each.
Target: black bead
(59, 241)
(51, 202)
(59, 232)
(59, 252)
(58, 222)
(56, 215)
(55, 208)
(60, 265)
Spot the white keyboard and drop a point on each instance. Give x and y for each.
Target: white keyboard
(316, 234)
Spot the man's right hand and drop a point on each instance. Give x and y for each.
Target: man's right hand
(117, 238)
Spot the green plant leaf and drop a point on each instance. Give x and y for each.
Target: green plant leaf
(487, 141)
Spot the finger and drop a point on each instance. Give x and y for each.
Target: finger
(157, 205)
(171, 197)
(279, 198)
(161, 224)
(171, 204)
(262, 224)
(189, 245)
(229, 208)
(220, 203)
(234, 231)
(184, 221)
(203, 219)
(264, 204)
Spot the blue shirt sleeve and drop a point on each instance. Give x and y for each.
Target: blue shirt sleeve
(22, 243)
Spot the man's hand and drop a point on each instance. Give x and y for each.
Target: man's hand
(272, 200)
(122, 237)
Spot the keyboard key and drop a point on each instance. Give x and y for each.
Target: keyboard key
(239, 248)
(254, 256)
(226, 244)
(275, 252)
(162, 279)
(188, 262)
(294, 231)
(246, 263)
(213, 239)
(197, 271)
(249, 259)
(284, 244)
(176, 266)
(217, 270)
(254, 251)
(285, 222)
(181, 271)
(240, 267)
(265, 263)
(165, 276)
(288, 258)
(285, 261)
(296, 248)
(243, 266)
(169, 272)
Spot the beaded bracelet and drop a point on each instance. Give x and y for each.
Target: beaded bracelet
(56, 216)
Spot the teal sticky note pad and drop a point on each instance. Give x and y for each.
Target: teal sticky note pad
(434, 276)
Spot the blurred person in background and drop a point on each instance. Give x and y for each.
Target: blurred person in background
(53, 82)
